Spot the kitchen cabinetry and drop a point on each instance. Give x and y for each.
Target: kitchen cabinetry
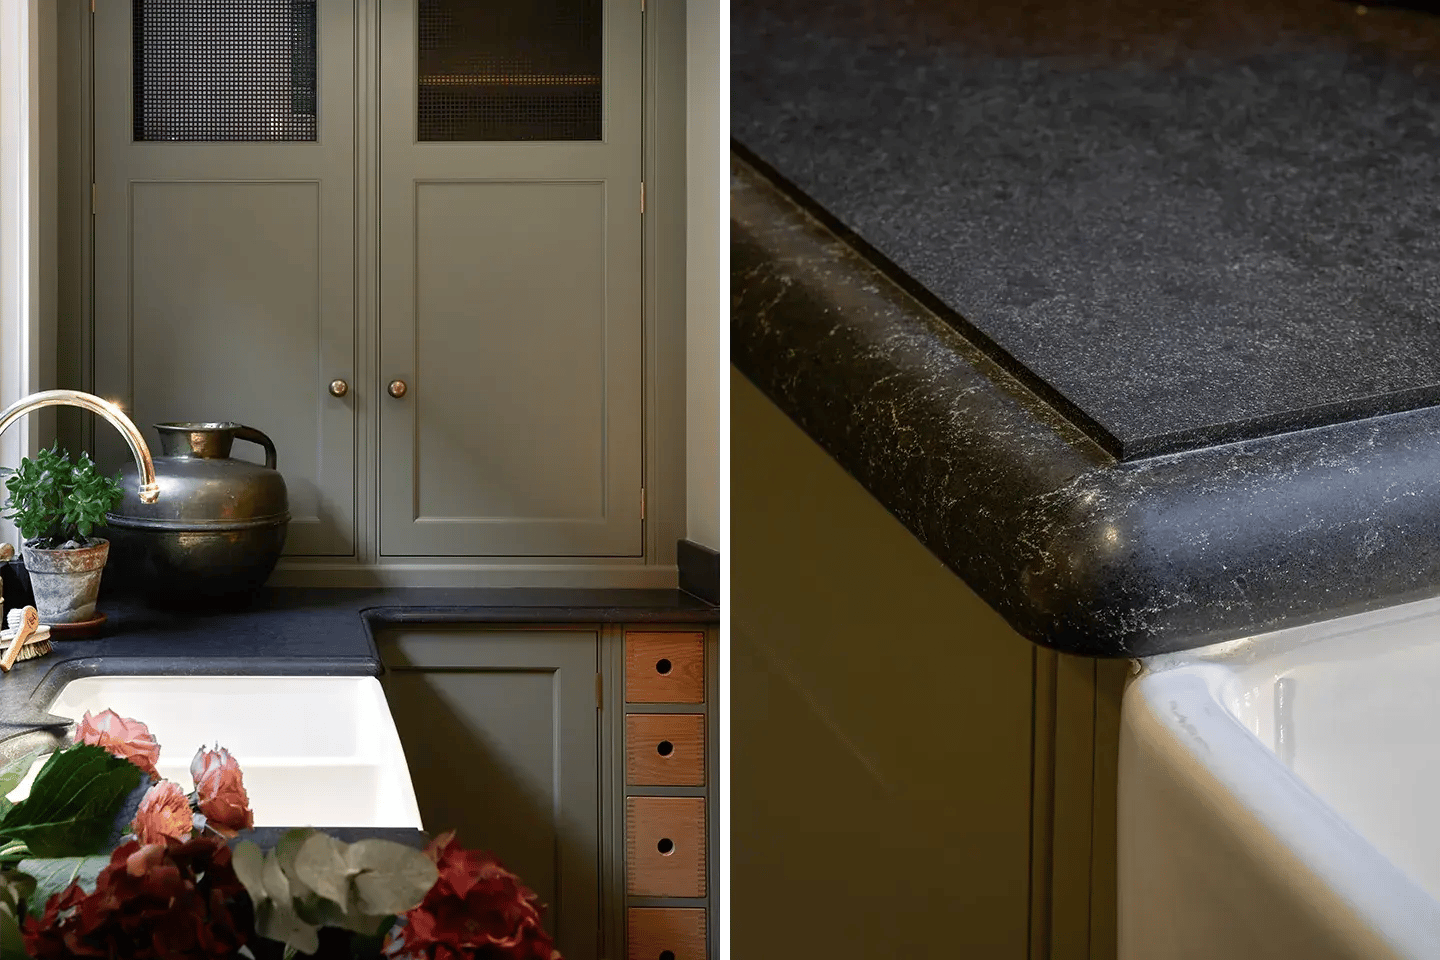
(406, 240)
(522, 739)
(917, 779)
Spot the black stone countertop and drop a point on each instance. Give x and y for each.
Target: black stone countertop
(1181, 222)
(294, 632)
(1129, 311)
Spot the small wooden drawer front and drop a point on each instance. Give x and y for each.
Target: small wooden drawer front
(666, 933)
(665, 749)
(665, 846)
(664, 667)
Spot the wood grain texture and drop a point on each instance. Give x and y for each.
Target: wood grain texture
(681, 821)
(682, 682)
(683, 766)
(655, 932)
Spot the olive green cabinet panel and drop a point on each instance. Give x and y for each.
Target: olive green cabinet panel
(225, 238)
(501, 734)
(435, 201)
(510, 279)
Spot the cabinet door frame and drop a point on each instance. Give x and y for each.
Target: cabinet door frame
(123, 166)
(664, 323)
(512, 649)
(410, 168)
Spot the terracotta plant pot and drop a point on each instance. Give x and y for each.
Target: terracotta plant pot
(66, 582)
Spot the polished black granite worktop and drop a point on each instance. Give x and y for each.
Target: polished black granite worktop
(1112, 304)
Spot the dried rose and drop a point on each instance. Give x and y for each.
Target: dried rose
(164, 812)
(477, 908)
(158, 900)
(221, 790)
(126, 739)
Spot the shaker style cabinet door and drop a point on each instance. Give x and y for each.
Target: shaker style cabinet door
(224, 139)
(510, 278)
(501, 735)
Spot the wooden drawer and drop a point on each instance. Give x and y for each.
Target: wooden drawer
(665, 846)
(665, 934)
(665, 749)
(664, 667)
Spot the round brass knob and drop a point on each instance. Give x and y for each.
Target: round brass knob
(338, 388)
(397, 388)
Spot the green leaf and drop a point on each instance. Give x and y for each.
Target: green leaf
(321, 865)
(13, 772)
(54, 874)
(16, 889)
(72, 803)
(390, 877)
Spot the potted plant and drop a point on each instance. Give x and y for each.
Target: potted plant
(56, 503)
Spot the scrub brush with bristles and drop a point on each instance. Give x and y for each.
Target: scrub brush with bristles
(35, 645)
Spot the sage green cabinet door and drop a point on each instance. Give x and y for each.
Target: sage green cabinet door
(224, 233)
(510, 278)
(501, 734)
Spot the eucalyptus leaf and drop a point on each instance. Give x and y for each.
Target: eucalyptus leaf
(288, 848)
(278, 921)
(277, 888)
(249, 864)
(322, 865)
(53, 874)
(390, 877)
(322, 912)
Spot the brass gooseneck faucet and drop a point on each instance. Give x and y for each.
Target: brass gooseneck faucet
(149, 489)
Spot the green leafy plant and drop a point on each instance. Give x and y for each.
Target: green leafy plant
(54, 501)
(104, 858)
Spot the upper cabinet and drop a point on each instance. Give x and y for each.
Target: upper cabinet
(510, 294)
(404, 239)
(225, 255)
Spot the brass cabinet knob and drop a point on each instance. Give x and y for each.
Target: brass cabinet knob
(397, 388)
(338, 388)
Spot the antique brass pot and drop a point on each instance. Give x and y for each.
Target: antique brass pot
(218, 527)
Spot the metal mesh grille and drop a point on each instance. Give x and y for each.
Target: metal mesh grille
(516, 71)
(224, 69)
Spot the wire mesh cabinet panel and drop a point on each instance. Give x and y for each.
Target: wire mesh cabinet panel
(510, 286)
(224, 137)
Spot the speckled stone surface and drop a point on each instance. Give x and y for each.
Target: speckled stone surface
(1182, 223)
(294, 632)
(1078, 551)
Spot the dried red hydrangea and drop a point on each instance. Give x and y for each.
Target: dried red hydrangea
(476, 909)
(156, 900)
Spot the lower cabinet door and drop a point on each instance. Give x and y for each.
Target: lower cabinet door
(500, 733)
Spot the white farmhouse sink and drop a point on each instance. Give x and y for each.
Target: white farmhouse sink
(315, 751)
(1280, 796)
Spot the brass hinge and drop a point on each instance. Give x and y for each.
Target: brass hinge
(92, 5)
(92, 199)
(642, 5)
(642, 196)
(599, 692)
(642, 503)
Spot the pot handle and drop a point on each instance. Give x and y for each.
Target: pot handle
(255, 436)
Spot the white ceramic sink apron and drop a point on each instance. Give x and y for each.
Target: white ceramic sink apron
(1280, 796)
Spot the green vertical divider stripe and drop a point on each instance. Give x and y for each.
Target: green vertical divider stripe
(723, 786)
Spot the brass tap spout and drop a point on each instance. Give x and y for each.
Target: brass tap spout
(149, 489)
